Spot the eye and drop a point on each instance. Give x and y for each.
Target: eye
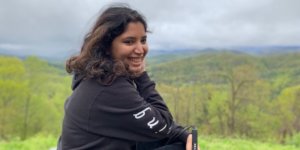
(128, 42)
(144, 40)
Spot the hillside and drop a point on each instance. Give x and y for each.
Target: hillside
(226, 93)
(234, 93)
(205, 67)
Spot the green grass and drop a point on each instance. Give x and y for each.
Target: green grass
(206, 143)
(34, 143)
(209, 143)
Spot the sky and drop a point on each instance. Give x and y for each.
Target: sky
(57, 27)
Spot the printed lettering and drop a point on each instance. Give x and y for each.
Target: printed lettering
(163, 128)
(152, 123)
(141, 114)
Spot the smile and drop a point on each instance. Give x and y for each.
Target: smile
(136, 60)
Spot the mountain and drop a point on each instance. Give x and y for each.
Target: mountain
(205, 68)
(267, 50)
(162, 55)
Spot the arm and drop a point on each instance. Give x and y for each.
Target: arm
(146, 88)
(119, 111)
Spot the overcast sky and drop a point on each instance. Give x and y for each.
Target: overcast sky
(47, 27)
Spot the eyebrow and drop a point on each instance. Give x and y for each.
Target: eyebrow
(132, 37)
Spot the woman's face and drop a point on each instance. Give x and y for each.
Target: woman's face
(131, 46)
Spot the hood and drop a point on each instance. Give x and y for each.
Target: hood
(77, 78)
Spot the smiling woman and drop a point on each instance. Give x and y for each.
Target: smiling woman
(118, 36)
(114, 104)
(131, 47)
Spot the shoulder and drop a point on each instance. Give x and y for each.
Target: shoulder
(121, 85)
(122, 93)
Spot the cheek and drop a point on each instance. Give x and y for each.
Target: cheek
(121, 52)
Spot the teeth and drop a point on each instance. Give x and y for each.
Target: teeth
(135, 59)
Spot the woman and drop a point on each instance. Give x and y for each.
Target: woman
(114, 104)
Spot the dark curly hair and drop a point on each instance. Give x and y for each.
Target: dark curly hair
(95, 59)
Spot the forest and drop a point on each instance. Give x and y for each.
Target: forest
(226, 94)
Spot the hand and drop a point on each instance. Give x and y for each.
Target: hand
(189, 143)
(138, 71)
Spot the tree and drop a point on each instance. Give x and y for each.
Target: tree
(288, 111)
(12, 93)
(238, 79)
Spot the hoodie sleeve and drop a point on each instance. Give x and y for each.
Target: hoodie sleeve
(146, 89)
(133, 113)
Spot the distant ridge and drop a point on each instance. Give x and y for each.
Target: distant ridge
(267, 50)
(165, 55)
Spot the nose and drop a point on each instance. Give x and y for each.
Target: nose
(139, 49)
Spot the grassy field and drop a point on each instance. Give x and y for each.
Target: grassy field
(206, 143)
(35, 143)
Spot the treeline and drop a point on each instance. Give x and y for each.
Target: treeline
(234, 94)
(227, 94)
(32, 94)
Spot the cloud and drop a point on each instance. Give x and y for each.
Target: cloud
(54, 26)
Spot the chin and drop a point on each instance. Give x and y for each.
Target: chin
(134, 69)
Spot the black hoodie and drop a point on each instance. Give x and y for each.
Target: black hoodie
(117, 116)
